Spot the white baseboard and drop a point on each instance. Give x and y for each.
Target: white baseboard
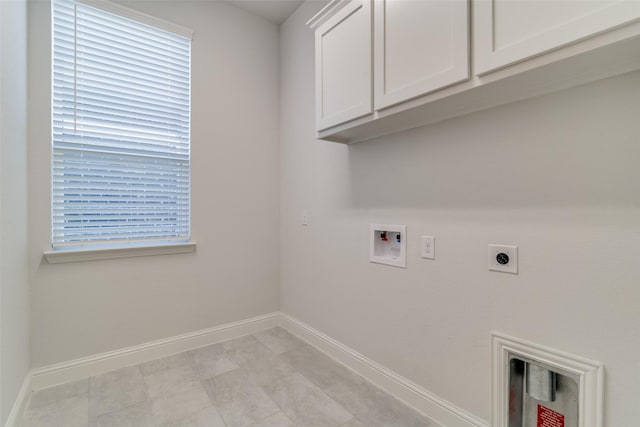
(439, 410)
(443, 412)
(22, 399)
(98, 364)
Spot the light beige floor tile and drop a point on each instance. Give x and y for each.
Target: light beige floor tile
(116, 390)
(208, 417)
(279, 340)
(239, 399)
(353, 423)
(174, 361)
(57, 393)
(168, 410)
(70, 412)
(138, 415)
(211, 361)
(276, 420)
(305, 403)
(395, 414)
(355, 393)
(372, 406)
(247, 381)
(256, 358)
(319, 368)
(170, 381)
(246, 342)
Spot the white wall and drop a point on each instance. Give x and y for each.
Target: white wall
(558, 176)
(14, 283)
(82, 309)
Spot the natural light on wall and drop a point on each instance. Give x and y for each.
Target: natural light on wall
(121, 128)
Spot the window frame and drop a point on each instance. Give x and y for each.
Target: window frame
(127, 248)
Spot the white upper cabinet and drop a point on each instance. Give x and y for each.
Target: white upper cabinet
(343, 65)
(419, 46)
(388, 65)
(509, 31)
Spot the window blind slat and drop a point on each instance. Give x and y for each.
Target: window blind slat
(65, 170)
(98, 30)
(94, 76)
(122, 116)
(124, 221)
(121, 129)
(128, 178)
(123, 55)
(96, 60)
(110, 115)
(100, 159)
(97, 98)
(92, 236)
(67, 70)
(98, 36)
(127, 243)
(135, 140)
(136, 28)
(84, 82)
(125, 152)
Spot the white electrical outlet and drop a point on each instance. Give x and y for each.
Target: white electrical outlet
(428, 248)
(503, 258)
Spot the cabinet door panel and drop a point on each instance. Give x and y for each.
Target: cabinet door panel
(420, 46)
(508, 31)
(343, 66)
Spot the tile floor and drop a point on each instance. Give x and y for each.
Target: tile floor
(270, 379)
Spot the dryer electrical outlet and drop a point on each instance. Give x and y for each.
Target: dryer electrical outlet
(503, 258)
(388, 244)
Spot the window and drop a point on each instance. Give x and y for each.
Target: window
(121, 128)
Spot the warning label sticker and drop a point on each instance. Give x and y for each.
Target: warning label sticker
(549, 418)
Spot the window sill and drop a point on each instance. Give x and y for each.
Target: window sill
(78, 255)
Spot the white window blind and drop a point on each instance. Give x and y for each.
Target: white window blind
(121, 129)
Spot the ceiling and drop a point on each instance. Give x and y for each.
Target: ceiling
(276, 11)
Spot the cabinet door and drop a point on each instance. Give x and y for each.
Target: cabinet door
(508, 31)
(343, 65)
(420, 46)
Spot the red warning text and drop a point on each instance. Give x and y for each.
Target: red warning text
(549, 418)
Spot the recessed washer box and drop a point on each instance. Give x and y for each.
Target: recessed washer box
(388, 244)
